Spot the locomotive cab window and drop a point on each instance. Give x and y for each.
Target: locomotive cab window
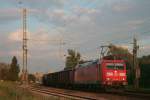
(119, 67)
(110, 67)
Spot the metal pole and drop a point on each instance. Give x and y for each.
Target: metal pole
(24, 74)
(136, 69)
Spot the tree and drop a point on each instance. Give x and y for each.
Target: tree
(72, 59)
(145, 59)
(14, 70)
(4, 71)
(123, 52)
(145, 70)
(31, 77)
(125, 55)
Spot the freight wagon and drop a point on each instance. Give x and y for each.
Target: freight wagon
(62, 79)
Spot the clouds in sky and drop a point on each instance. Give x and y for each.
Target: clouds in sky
(83, 25)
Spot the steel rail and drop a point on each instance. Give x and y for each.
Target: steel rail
(121, 93)
(60, 94)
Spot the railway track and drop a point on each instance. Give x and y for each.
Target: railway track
(60, 94)
(71, 94)
(145, 96)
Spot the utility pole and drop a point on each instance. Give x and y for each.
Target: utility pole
(136, 69)
(25, 50)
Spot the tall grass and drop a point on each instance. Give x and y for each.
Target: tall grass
(11, 91)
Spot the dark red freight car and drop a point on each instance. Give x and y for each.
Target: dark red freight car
(61, 79)
(66, 77)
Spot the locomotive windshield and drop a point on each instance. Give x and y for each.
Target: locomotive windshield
(115, 66)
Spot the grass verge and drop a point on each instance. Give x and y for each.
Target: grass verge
(10, 91)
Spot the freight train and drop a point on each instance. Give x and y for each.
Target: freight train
(91, 74)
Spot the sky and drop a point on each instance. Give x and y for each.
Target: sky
(53, 26)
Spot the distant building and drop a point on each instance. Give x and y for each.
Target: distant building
(38, 76)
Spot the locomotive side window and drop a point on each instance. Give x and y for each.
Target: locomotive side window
(120, 67)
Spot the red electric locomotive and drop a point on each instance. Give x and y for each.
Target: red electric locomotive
(101, 73)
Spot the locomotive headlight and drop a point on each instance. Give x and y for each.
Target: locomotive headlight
(123, 79)
(122, 74)
(107, 79)
(109, 73)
